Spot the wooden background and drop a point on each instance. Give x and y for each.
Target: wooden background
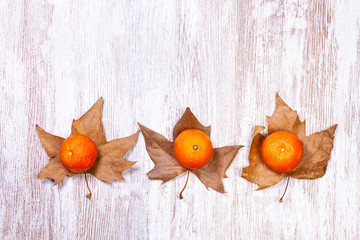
(149, 60)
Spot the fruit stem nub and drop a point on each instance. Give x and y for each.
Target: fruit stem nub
(195, 147)
(88, 195)
(287, 184)
(187, 179)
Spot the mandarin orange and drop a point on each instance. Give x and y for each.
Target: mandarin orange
(78, 153)
(282, 151)
(193, 149)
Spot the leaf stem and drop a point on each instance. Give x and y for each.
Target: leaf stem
(88, 195)
(187, 179)
(287, 184)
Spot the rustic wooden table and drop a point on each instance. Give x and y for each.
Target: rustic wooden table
(149, 60)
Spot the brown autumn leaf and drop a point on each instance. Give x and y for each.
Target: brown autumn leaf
(161, 152)
(317, 149)
(109, 163)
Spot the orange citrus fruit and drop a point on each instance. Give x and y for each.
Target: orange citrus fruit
(78, 153)
(193, 149)
(282, 151)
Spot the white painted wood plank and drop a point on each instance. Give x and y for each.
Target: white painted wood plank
(149, 60)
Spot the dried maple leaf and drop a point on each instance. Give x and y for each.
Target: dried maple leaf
(317, 149)
(109, 162)
(161, 152)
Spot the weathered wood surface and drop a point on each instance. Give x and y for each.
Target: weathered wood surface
(149, 60)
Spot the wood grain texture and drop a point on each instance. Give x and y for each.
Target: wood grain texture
(149, 60)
